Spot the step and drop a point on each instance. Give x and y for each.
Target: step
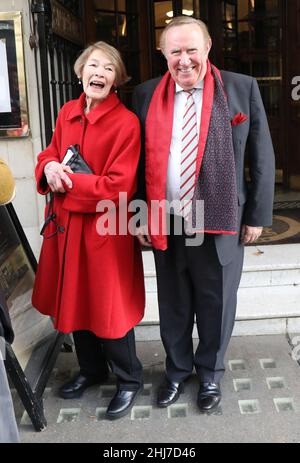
(269, 289)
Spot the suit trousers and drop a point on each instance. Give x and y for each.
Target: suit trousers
(94, 354)
(191, 284)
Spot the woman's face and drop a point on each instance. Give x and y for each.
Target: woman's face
(98, 77)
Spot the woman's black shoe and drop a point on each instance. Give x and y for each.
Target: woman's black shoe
(121, 403)
(76, 387)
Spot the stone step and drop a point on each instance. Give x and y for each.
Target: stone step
(269, 289)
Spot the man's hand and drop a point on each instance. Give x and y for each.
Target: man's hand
(55, 175)
(143, 236)
(250, 234)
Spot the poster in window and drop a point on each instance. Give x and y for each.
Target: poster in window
(13, 99)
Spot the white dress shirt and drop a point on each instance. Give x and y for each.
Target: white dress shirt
(174, 170)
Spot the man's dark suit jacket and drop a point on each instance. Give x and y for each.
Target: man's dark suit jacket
(256, 198)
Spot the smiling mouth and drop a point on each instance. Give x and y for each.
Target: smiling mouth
(187, 70)
(98, 85)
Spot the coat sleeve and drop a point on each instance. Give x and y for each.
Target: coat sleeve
(89, 189)
(259, 206)
(51, 153)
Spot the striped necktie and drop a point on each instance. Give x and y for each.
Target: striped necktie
(189, 148)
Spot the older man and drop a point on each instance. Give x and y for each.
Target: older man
(197, 121)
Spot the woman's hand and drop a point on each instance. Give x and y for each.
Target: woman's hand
(55, 175)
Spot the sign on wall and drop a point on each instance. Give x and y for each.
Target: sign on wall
(13, 101)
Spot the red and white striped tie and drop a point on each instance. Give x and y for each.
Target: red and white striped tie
(189, 148)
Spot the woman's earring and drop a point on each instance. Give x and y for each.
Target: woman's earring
(79, 80)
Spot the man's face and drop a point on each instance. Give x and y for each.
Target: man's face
(186, 51)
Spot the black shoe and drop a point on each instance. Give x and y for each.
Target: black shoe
(121, 403)
(168, 393)
(76, 387)
(209, 397)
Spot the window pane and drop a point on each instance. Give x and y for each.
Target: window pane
(244, 35)
(188, 7)
(105, 4)
(158, 33)
(131, 61)
(128, 32)
(230, 12)
(230, 42)
(160, 13)
(122, 5)
(264, 7)
(128, 6)
(265, 34)
(106, 27)
(266, 66)
(231, 65)
(243, 9)
(271, 97)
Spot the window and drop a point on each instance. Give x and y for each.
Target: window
(117, 24)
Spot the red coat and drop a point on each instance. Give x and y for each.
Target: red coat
(84, 280)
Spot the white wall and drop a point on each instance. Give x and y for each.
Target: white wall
(21, 153)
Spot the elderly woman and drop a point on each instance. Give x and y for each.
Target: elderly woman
(92, 283)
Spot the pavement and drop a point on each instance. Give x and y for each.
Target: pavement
(261, 401)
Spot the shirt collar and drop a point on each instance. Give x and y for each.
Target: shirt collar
(199, 85)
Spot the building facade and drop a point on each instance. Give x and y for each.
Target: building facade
(256, 37)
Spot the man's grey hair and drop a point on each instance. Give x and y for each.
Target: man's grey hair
(182, 21)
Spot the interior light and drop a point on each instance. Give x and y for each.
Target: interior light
(170, 14)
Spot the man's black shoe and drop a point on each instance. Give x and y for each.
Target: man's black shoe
(168, 393)
(209, 397)
(76, 387)
(121, 403)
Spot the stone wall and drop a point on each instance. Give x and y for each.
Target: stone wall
(21, 153)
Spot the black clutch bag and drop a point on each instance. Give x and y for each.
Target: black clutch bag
(75, 161)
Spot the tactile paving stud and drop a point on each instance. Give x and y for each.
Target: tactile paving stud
(177, 411)
(249, 407)
(284, 404)
(68, 415)
(242, 384)
(237, 365)
(276, 382)
(100, 413)
(267, 363)
(140, 412)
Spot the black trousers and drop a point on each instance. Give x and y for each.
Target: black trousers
(193, 284)
(95, 354)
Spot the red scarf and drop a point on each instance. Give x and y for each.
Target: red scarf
(158, 135)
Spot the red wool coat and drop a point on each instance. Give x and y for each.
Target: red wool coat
(84, 280)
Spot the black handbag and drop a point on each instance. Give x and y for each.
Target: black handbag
(75, 161)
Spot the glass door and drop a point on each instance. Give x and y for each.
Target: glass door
(252, 37)
(117, 24)
(161, 13)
